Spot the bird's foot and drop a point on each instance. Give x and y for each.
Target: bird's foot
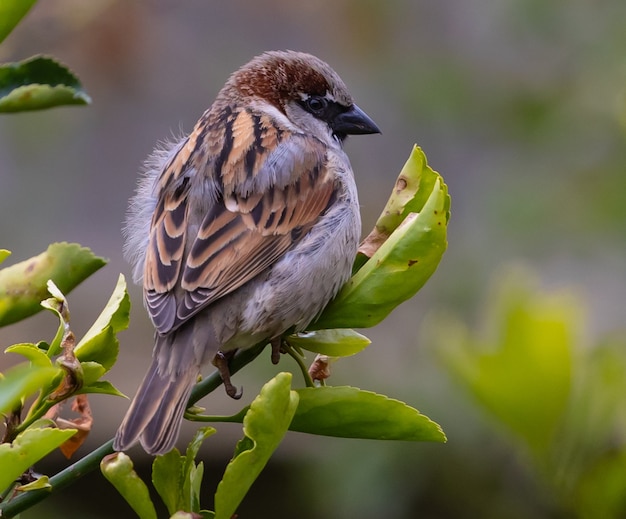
(277, 349)
(220, 361)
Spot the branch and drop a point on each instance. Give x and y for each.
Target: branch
(92, 460)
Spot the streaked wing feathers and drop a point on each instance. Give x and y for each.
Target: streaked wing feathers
(268, 202)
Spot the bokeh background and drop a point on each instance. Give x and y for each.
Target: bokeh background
(519, 104)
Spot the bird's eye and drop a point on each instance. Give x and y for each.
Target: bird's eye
(316, 105)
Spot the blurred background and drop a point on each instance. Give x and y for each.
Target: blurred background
(519, 104)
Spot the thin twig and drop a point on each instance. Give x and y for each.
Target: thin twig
(290, 350)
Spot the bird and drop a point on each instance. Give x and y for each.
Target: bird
(242, 230)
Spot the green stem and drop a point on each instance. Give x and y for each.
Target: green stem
(235, 418)
(37, 410)
(288, 348)
(7, 492)
(92, 461)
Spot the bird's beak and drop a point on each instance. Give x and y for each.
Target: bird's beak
(353, 121)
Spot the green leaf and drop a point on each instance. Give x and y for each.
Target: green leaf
(21, 382)
(55, 292)
(92, 371)
(33, 353)
(37, 83)
(11, 12)
(102, 387)
(413, 187)
(192, 474)
(349, 412)
(264, 426)
(57, 304)
(27, 449)
(118, 469)
(195, 486)
(4, 254)
(334, 343)
(194, 445)
(167, 470)
(521, 371)
(177, 479)
(99, 344)
(38, 484)
(403, 262)
(116, 313)
(24, 285)
(102, 348)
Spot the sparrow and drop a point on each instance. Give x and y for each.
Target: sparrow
(243, 230)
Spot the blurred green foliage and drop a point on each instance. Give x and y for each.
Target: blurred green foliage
(521, 370)
(37, 83)
(556, 398)
(11, 12)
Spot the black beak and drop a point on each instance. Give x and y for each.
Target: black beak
(353, 121)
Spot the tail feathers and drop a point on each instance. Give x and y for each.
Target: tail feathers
(156, 413)
(161, 433)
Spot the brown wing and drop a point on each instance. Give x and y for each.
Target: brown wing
(261, 205)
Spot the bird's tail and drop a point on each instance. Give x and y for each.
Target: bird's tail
(156, 413)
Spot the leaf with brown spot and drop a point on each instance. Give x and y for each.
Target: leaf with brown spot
(403, 262)
(412, 189)
(23, 285)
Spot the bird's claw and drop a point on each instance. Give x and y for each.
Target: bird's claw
(232, 391)
(220, 361)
